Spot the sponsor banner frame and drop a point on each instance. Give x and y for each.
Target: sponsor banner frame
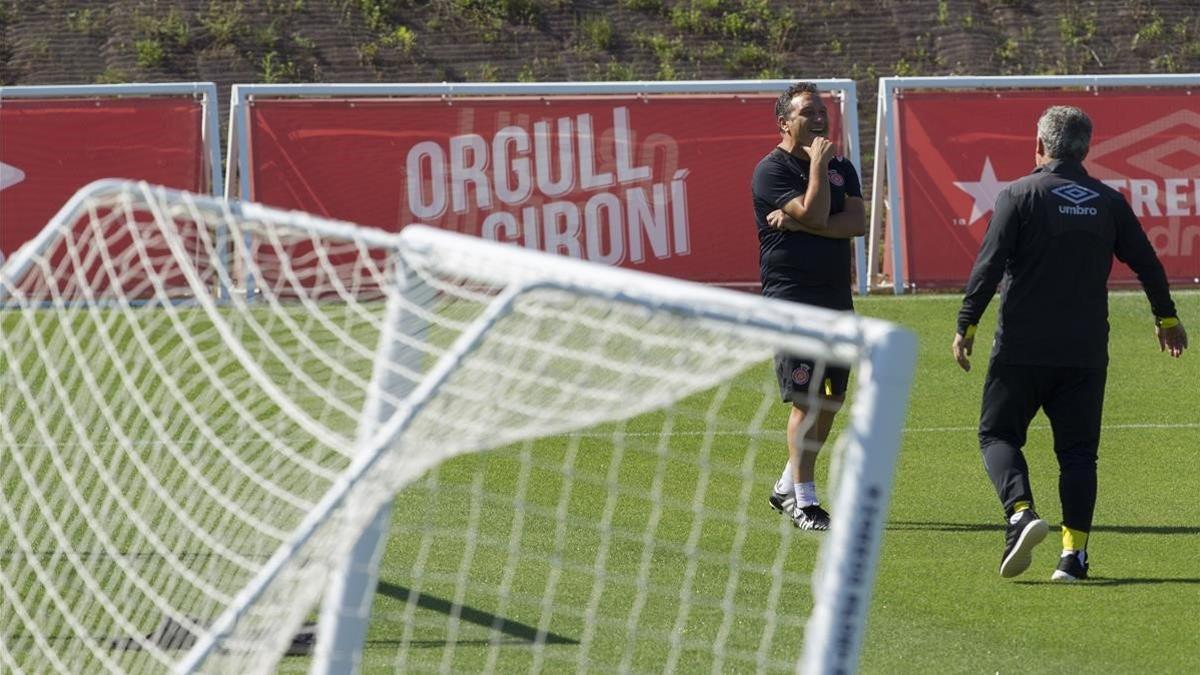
(239, 174)
(204, 92)
(888, 180)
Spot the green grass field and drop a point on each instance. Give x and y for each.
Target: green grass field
(581, 553)
(939, 604)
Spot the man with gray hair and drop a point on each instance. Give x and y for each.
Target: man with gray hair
(1052, 238)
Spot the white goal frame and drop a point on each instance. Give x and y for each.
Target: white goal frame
(846, 570)
(883, 354)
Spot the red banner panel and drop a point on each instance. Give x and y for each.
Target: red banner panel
(94, 256)
(49, 148)
(958, 150)
(659, 183)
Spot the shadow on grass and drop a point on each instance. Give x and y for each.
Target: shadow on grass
(999, 527)
(1093, 581)
(441, 644)
(1105, 581)
(524, 634)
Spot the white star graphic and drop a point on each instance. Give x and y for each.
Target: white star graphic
(10, 175)
(984, 191)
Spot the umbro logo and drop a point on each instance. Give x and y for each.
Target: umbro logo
(1077, 195)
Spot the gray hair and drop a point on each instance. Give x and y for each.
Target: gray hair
(1066, 132)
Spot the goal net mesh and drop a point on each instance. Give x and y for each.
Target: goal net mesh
(203, 405)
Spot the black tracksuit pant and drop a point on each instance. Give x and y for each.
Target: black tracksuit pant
(1073, 399)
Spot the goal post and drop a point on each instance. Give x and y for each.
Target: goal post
(579, 454)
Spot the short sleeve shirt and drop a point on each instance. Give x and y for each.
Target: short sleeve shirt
(798, 265)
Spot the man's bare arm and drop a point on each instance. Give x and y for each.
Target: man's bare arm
(812, 208)
(849, 223)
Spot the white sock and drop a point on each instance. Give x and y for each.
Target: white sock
(806, 494)
(783, 486)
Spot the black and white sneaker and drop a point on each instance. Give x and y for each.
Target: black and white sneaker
(811, 517)
(1025, 531)
(1071, 567)
(782, 502)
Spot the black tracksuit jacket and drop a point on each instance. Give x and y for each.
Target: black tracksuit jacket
(1052, 238)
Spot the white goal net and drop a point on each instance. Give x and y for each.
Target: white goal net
(207, 408)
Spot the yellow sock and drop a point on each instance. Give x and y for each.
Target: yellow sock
(1021, 506)
(1074, 540)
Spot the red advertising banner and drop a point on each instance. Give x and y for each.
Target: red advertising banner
(49, 148)
(657, 183)
(958, 150)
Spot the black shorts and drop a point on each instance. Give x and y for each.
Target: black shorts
(797, 376)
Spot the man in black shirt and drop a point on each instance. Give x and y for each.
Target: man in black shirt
(804, 232)
(1052, 238)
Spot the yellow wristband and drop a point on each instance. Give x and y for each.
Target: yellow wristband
(970, 332)
(1167, 322)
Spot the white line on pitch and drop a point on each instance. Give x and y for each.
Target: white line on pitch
(635, 434)
(1118, 294)
(1136, 425)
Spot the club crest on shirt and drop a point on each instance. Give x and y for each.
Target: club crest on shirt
(836, 178)
(802, 374)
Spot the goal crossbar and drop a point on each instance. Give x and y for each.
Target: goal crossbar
(881, 353)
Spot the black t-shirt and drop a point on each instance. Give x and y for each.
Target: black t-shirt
(797, 265)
